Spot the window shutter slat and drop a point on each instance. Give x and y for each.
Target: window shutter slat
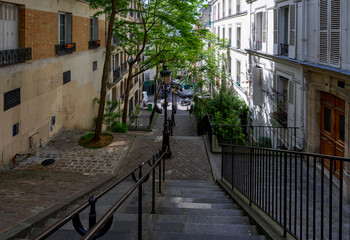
(323, 55)
(335, 33)
(292, 26)
(275, 27)
(264, 27)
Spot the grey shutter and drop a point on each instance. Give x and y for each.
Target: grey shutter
(257, 93)
(255, 30)
(264, 19)
(275, 27)
(291, 92)
(335, 33)
(323, 31)
(95, 28)
(68, 27)
(292, 26)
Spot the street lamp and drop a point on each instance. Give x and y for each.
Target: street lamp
(165, 78)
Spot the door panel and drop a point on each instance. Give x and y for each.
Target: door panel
(8, 26)
(332, 132)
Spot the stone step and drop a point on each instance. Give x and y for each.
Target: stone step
(190, 184)
(193, 194)
(192, 190)
(200, 219)
(191, 236)
(188, 211)
(206, 199)
(199, 205)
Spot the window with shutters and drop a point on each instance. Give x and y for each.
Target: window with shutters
(8, 26)
(94, 42)
(259, 30)
(283, 30)
(280, 98)
(329, 38)
(238, 37)
(65, 28)
(238, 6)
(238, 73)
(229, 7)
(223, 8)
(229, 36)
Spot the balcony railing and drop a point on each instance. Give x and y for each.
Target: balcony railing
(284, 49)
(94, 44)
(14, 56)
(302, 192)
(67, 48)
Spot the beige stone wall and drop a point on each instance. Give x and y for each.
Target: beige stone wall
(44, 95)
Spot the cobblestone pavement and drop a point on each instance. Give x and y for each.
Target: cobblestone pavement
(70, 156)
(188, 161)
(32, 189)
(25, 193)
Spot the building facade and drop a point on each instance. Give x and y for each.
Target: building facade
(51, 61)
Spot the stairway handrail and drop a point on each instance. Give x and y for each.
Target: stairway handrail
(56, 226)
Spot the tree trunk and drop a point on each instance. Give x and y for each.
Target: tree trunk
(101, 107)
(127, 93)
(156, 90)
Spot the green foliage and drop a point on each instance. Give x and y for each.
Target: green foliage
(119, 127)
(110, 116)
(227, 111)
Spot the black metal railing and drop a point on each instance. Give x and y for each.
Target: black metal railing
(99, 228)
(249, 135)
(302, 192)
(140, 122)
(14, 56)
(67, 48)
(284, 49)
(94, 44)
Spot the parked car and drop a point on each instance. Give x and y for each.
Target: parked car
(185, 93)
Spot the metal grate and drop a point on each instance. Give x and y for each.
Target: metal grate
(12, 99)
(66, 77)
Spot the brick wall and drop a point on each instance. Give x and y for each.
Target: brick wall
(39, 30)
(41, 33)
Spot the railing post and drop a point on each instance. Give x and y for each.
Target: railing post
(251, 176)
(285, 196)
(153, 187)
(92, 214)
(140, 206)
(160, 176)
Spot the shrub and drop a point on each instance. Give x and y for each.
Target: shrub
(118, 127)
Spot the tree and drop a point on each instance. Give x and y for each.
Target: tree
(164, 29)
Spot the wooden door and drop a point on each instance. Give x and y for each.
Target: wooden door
(332, 128)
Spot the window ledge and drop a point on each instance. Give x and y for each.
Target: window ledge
(62, 49)
(94, 44)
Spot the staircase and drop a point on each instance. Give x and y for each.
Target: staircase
(184, 210)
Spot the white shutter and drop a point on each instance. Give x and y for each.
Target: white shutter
(292, 26)
(254, 30)
(275, 27)
(323, 31)
(335, 33)
(264, 19)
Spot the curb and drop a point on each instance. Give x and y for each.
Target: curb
(25, 226)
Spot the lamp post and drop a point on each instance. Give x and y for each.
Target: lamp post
(165, 77)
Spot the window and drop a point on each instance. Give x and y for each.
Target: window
(238, 73)
(260, 29)
(146, 77)
(229, 36)
(15, 129)
(229, 7)
(94, 65)
(238, 37)
(329, 39)
(93, 28)
(8, 26)
(283, 30)
(65, 28)
(214, 15)
(223, 8)
(238, 6)
(66, 77)
(219, 11)
(281, 113)
(223, 33)
(12, 99)
(219, 32)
